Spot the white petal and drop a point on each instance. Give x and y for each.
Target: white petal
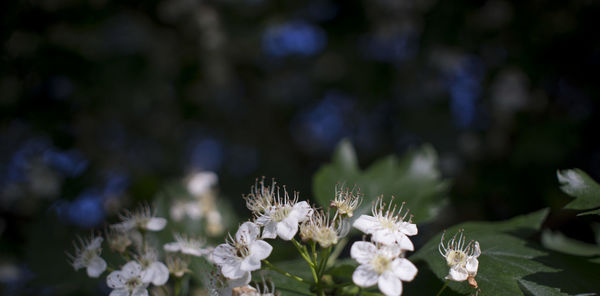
(260, 249)
(287, 228)
(250, 264)
(391, 251)
(301, 211)
(363, 252)
(156, 224)
(172, 247)
(389, 284)
(409, 228)
(472, 265)
(223, 253)
(242, 281)
(247, 233)
(96, 243)
(270, 230)
(157, 273)
(367, 224)
(364, 276)
(96, 267)
(139, 291)
(119, 292)
(232, 270)
(384, 236)
(404, 269)
(476, 250)
(131, 269)
(263, 220)
(116, 280)
(457, 274)
(404, 242)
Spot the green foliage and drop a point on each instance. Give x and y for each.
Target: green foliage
(505, 259)
(558, 242)
(586, 191)
(285, 285)
(413, 178)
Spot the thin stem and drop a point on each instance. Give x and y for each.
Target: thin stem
(325, 254)
(443, 288)
(313, 246)
(177, 286)
(337, 251)
(301, 249)
(275, 268)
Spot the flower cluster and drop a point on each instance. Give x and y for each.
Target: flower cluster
(461, 257)
(382, 260)
(142, 265)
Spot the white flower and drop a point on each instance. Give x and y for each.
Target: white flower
(117, 240)
(282, 216)
(219, 285)
(320, 228)
(181, 209)
(242, 255)
(387, 226)
(346, 201)
(261, 197)
(200, 183)
(87, 254)
(186, 245)
(380, 264)
(127, 281)
(142, 219)
(461, 258)
(177, 265)
(153, 271)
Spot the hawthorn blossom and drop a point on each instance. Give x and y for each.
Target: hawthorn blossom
(201, 182)
(142, 219)
(153, 271)
(243, 254)
(177, 265)
(87, 254)
(219, 285)
(320, 228)
(461, 258)
(281, 215)
(346, 201)
(387, 225)
(186, 245)
(127, 281)
(381, 265)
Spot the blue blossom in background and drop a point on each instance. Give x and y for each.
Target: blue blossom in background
(464, 85)
(206, 155)
(71, 163)
(293, 38)
(87, 210)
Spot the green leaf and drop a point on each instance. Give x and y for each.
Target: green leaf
(285, 285)
(505, 259)
(586, 191)
(414, 178)
(558, 242)
(539, 290)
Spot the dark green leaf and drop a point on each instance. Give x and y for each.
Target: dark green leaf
(586, 191)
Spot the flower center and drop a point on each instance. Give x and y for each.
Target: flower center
(380, 263)
(281, 213)
(455, 258)
(388, 224)
(242, 251)
(132, 283)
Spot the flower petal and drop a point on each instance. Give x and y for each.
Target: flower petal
(472, 265)
(139, 291)
(156, 224)
(247, 233)
(389, 284)
(363, 252)
(96, 267)
(408, 228)
(172, 247)
(404, 242)
(232, 270)
(287, 228)
(367, 224)
(96, 243)
(242, 281)
(476, 250)
(260, 249)
(250, 263)
(263, 220)
(223, 253)
(116, 280)
(157, 273)
(404, 269)
(270, 230)
(131, 269)
(119, 292)
(384, 236)
(364, 276)
(301, 211)
(457, 274)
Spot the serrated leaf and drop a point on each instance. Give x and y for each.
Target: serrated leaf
(539, 290)
(586, 191)
(414, 178)
(505, 259)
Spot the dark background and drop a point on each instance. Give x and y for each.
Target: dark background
(104, 102)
